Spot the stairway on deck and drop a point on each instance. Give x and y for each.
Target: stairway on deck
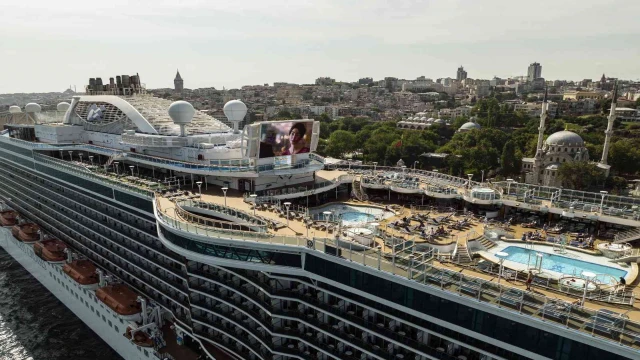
(627, 236)
(358, 191)
(462, 255)
(485, 242)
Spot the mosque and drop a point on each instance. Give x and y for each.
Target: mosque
(560, 147)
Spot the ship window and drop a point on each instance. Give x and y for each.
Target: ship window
(92, 309)
(104, 318)
(146, 353)
(110, 324)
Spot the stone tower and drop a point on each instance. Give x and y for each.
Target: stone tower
(178, 83)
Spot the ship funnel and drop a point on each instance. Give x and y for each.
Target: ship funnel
(143, 304)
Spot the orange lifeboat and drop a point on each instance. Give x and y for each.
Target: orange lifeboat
(51, 250)
(27, 233)
(82, 271)
(140, 338)
(120, 298)
(8, 217)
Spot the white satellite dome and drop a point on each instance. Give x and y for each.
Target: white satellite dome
(32, 108)
(181, 112)
(235, 110)
(15, 109)
(63, 106)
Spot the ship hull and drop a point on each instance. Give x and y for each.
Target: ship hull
(81, 302)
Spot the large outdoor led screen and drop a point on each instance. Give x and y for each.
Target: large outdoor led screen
(285, 138)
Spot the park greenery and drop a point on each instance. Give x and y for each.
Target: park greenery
(497, 148)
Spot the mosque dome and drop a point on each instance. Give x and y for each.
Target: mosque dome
(470, 126)
(430, 120)
(567, 138)
(439, 121)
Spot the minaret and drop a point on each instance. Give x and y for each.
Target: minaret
(178, 83)
(537, 161)
(609, 131)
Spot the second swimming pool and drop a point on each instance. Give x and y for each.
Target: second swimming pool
(561, 264)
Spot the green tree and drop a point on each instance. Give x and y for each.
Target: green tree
(340, 143)
(580, 175)
(509, 161)
(624, 156)
(376, 148)
(459, 121)
(617, 185)
(284, 115)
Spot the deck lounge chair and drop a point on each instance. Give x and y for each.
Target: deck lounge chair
(555, 310)
(471, 287)
(603, 325)
(512, 297)
(439, 278)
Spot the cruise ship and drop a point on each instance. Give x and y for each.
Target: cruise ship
(176, 235)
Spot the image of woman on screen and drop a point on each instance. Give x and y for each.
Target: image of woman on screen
(296, 139)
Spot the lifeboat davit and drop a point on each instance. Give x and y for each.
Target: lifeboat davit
(140, 338)
(121, 299)
(83, 272)
(27, 233)
(8, 217)
(51, 250)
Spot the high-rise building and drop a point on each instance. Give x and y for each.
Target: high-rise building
(461, 75)
(534, 72)
(178, 83)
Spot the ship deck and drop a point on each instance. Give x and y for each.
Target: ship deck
(298, 228)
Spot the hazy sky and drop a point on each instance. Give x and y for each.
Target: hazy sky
(49, 45)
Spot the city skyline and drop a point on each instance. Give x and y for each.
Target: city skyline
(48, 49)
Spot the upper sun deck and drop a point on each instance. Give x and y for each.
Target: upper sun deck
(146, 112)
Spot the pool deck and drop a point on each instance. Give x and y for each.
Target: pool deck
(297, 228)
(490, 255)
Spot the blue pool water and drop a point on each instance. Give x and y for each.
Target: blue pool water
(349, 218)
(352, 214)
(560, 264)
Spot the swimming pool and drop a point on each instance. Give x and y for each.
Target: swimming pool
(352, 218)
(352, 214)
(561, 264)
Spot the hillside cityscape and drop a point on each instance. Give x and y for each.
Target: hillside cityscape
(456, 125)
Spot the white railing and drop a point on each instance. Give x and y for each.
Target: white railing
(85, 173)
